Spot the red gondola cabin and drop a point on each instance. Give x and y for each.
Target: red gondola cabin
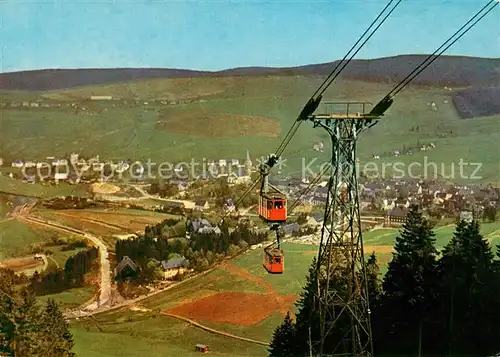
(272, 207)
(274, 261)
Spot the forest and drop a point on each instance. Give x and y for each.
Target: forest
(26, 329)
(202, 250)
(428, 303)
(72, 276)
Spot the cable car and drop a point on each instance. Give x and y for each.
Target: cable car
(274, 261)
(273, 210)
(274, 258)
(272, 207)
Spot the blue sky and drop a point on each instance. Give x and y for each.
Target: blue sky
(214, 35)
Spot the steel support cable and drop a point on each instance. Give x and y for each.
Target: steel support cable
(334, 74)
(366, 40)
(314, 100)
(440, 50)
(386, 102)
(320, 91)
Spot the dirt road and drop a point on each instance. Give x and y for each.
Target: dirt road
(105, 285)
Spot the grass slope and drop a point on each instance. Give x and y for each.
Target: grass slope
(70, 299)
(122, 133)
(152, 335)
(16, 239)
(158, 335)
(17, 187)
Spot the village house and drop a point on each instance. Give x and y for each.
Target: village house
(174, 266)
(126, 268)
(388, 205)
(315, 219)
(320, 196)
(238, 177)
(396, 217)
(229, 205)
(60, 176)
(201, 205)
(466, 216)
(17, 164)
(290, 229)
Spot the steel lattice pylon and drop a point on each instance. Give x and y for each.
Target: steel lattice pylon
(341, 286)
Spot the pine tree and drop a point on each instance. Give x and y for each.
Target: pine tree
(283, 343)
(410, 287)
(373, 280)
(468, 284)
(27, 324)
(19, 317)
(57, 341)
(7, 306)
(307, 317)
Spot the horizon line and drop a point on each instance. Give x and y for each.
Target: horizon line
(241, 67)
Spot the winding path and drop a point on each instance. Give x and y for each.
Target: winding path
(105, 285)
(208, 329)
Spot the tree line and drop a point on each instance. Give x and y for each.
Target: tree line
(201, 249)
(26, 329)
(431, 302)
(71, 276)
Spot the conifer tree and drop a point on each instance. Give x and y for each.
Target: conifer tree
(373, 280)
(283, 343)
(307, 317)
(57, 340)
(410, 286)
(468, 294)
(19, 317)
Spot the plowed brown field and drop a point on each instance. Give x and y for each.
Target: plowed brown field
(241, 309)
(237, 308)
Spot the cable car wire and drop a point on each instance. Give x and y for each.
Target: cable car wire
(315, 99)
(387, 101)
(431, 58)
(366, 40)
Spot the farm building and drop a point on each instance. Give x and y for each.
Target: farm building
(174, 266)
(125, 269)
(201, 348)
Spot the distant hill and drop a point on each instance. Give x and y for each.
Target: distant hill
(445, 71)
(471, 103)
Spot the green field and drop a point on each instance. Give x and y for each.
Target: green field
(4, 210)
(70, 299)
(17, 187)
(159, 335)
(16, 239)
(130, 132)
(152, 335)
(387, 236)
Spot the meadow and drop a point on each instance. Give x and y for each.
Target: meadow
(140, 132)
(17, 187)
(233, 296)
(17, 239)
